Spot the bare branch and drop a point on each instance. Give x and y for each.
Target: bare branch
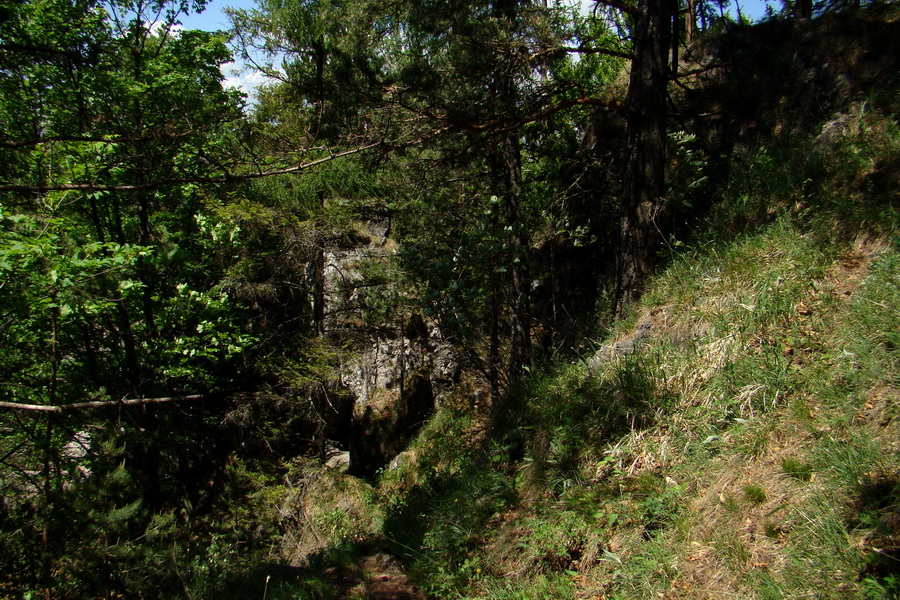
(170, 181)
(61, 408)
(615, 105)
(15, 144)
(604, 51)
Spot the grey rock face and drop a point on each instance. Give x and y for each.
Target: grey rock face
(398, 384)
(399, 371)
(609, 352)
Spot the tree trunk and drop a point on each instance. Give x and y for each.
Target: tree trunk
(645, 166)
(494, 345)
(318, 269)
(690, 21)
(318, 276)
(508, 170)
(520, 302)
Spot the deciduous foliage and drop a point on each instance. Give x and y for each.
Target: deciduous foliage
(109, 112)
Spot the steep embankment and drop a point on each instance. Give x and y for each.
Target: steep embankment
(737, 437)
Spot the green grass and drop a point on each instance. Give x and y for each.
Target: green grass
(796, 468)
(730, 441)
(755, 493)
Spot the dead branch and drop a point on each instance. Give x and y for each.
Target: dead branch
(615, 105)
(604, 51)
(170, 181)
(62, 408)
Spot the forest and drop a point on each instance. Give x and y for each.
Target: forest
(510, 299)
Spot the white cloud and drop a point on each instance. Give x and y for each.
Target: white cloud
(158, 28)
(245, 79)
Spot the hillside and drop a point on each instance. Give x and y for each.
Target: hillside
(747, 446)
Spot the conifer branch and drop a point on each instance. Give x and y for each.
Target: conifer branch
(604, 51)
(615, 105)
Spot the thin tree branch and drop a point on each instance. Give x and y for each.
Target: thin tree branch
(48, 50)
(170, 181)
(92, 139)
(61, 408)
(604, 51)
(615, 105)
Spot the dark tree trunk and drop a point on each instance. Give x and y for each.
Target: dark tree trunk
(318, 278)
(130, 348)
(690, 21)
(803, 9)
(646, 140)
(520, 302)
(146, 271)
(507, 175)
(494, 345)
(319, 49)
(675, 37)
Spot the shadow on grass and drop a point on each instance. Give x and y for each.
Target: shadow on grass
(274, 581)
(878, 506)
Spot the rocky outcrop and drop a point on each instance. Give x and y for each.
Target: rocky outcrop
(399, 371)
(621, 347)
(398, 382)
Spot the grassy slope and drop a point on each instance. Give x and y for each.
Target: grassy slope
(748, 448)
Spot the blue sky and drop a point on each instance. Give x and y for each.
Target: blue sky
(213, 18)
(754, 9)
